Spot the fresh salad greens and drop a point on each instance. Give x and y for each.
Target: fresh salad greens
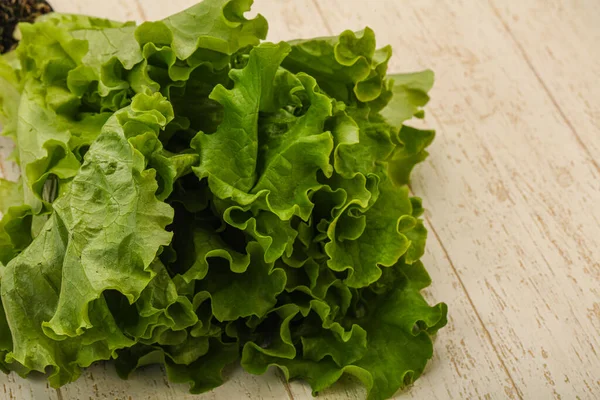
(191, 196)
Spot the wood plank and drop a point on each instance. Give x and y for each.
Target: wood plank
(509, 188)
(151, 383)
(120, 10)
(15, 388)
(559, 39)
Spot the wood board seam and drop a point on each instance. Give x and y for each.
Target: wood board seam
(322, 15)
(464, 287)
(285, 383)
(544, 86)
(140, 10)
(472, 304)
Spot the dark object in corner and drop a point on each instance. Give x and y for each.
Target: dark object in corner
(14, 11)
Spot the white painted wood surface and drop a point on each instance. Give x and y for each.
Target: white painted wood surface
(512, 188)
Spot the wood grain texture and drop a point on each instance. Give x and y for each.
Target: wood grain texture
(120, 10)
(512, 191)
(559, 41)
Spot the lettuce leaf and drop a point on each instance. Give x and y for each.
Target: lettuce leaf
(398, 324)
(104, 233)
(348, 66)
(192, 197)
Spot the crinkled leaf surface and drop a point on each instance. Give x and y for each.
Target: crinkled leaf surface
(190, 196)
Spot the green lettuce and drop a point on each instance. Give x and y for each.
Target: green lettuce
(192, 196)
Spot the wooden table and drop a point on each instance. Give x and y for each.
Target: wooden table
(512, 188)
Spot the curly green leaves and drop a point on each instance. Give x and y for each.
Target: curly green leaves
(228, 157)
(191, 195)
(42, 144)
(71, 65)
(263, 163)
(409, 153)
(30, 295)
(201, 366)
(227, 32)
(240, 284)
(10, 194)
(10, 96)
(160, 315)
(399, 330)
(409, 95)
(243, 293)
(104, 233)
(346, 66)
(15, 232)
(290, 160)
(122, 233)
(396, 327)
(361, 242)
